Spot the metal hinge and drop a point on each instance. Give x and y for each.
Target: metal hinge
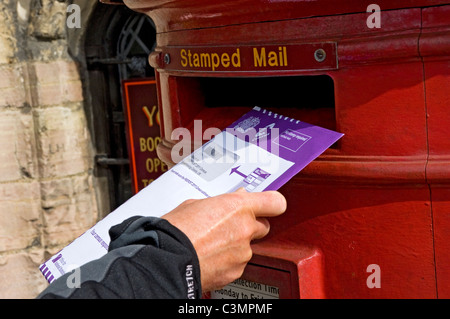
(104, 160)
(92, 61)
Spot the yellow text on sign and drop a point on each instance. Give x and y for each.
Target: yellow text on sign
(151, 115)
(149, 144)
(210, 60)
(155, 165)
(262, 57)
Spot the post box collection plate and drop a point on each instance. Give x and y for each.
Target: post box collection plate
(247, 289)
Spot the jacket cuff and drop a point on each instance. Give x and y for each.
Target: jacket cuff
(159, 233)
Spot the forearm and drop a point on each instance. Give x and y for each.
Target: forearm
(148, 258)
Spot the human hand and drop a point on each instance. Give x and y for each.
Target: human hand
(221, 229)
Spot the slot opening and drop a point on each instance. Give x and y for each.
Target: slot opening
(220, 101)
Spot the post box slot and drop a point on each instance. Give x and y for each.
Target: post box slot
(281, 92)
(307, 98)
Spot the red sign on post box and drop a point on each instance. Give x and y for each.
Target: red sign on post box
(143, 131)
(256, 58)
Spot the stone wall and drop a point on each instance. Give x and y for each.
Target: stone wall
(47, 193)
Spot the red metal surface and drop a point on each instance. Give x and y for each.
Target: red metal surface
(381, 195)
(193, 14)
(303, 262)
(436, 52)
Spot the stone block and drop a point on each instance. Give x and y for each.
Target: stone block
(20, 275)
(19, 215)
(63, 141)
(12, 91)
(69, 208)
(55, 83)
(48, 21)
(18, 145)
(8, 42)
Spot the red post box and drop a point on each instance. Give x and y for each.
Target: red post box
(370, 217)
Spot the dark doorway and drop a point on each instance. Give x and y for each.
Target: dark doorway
(117, 46)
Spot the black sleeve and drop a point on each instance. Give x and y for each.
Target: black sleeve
(147, 258)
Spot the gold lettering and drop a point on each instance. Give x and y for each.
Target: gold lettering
(157, 162)
(184, 61)
(280, 54)
(149, 144)
(212, 60)
(215, 61)
(143, 144)
(196, 60)
(259, 59)
(149, 114)
(285, 56)
(273, 59)
(190, 56)
(225, 60)
(149, 165)
(155, 165)
(205, 60)
(236, 59)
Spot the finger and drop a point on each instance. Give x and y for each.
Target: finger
(265, 204)
(262, 228)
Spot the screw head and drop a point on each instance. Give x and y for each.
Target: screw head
(167, 58)
(320, 55)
